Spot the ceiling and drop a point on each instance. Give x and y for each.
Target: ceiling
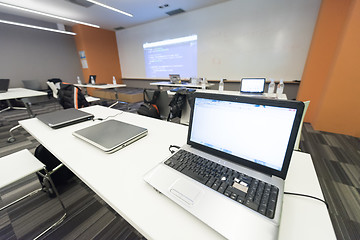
(143, 11)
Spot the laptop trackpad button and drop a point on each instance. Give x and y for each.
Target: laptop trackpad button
(185, 190)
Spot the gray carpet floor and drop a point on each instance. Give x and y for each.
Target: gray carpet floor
(88, 216)
(336, 159)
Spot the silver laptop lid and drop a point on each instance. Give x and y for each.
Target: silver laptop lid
(4, 85)
(254, 132)
(252, 85)
(111, 135)
(175, 78)
(64, 117)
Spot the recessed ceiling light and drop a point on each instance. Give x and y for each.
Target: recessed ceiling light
(109, 7)
(47, 14)
(164, 5)
(36, 27)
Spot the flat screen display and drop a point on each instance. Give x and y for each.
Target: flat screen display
(170, 56)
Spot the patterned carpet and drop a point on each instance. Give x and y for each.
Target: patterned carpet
(88, 216)
(336, 159)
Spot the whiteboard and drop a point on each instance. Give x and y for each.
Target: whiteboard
(236, 39)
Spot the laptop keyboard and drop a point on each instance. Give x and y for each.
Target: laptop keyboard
(251, 192)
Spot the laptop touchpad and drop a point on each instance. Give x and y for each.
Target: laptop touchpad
(186, 191)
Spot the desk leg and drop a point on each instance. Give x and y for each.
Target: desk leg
(10, 107)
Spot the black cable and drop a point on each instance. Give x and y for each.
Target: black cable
(101, 119)
(304, 195)
(173, 146)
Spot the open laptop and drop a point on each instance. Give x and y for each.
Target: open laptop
(231, 172)
(63, 118)
(4, 85)
(111, 135)
(175, 78)
(92, 79)
(252, 86)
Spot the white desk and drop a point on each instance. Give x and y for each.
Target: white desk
(102, 86)
(118, 179)
(18, 93)
(174, 85)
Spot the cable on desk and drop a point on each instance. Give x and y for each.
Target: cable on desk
(309, 196)
(173, 146)
(102, 119)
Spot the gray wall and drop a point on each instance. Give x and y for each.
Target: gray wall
(29, 54)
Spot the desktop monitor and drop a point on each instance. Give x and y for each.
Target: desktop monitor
(175, 78)
(252, 85)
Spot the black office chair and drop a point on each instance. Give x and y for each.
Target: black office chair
(71, 96)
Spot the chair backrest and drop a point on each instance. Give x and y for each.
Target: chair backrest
(163, 104)
(71, 96)
(297, 142)
(54, 89)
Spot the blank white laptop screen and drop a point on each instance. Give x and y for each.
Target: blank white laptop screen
(252, 85)
(248, 131)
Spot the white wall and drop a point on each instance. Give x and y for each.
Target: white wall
(28, 54)
(238, 38)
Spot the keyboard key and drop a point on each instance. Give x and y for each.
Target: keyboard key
(252, 205)
(194, 176)
(251, 192)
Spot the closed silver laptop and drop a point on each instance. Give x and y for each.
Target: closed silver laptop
(63, 118)
(231, 172)
(111, 135)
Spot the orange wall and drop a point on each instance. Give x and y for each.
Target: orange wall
(327, 34)
(331, 78)
(101, 53)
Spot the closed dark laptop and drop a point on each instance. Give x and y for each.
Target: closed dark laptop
(4, 85)
(64, 117)
(111, 135)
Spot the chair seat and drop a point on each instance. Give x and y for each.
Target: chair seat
(18, 165)
(91, 99)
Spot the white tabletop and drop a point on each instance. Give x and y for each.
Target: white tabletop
(281, 96)
(18, 165)
(118, 178)
(185, 84)
(13, 93)
(101, 86)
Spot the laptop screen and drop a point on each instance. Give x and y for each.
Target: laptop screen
(4, 85)
(253, 132)
(252, 85)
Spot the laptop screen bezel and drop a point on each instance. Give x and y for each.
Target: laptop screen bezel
(5, 82)
(299, 106)
(260, 92)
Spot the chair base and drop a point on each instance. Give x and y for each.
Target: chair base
(47, 182)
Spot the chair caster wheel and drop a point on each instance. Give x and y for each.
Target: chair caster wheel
(11, 140)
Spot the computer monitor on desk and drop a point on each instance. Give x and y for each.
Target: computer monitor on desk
(175, 78)
(252, 85)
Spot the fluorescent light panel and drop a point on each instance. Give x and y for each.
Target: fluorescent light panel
(170, 41)
(36, 27)
(47, 14)
(111, 8)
